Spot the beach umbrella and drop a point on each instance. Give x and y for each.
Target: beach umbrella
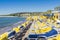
(16, 29)
(24, 25)
(44, 30)
(37, 31)
(29, 18)
(27, 22)
(4, 36)
(35, 17)
(57, 37)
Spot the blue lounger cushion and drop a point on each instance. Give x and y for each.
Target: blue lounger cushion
(12, 34)
(48, 34)
(21, 26)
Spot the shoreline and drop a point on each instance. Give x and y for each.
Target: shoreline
(12, 16)
(8, 16)
(9, 28)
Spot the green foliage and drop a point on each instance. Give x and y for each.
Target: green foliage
(57, 8)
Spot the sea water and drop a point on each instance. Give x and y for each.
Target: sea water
(8, 21)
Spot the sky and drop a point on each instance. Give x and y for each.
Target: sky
(14, 6)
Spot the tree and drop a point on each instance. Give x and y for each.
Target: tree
(49, 11)
(57, 8)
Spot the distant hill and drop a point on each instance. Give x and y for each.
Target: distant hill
(25, 14)
(29, 13)
(32, 13)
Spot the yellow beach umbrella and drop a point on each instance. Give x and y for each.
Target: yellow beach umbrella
(4, 36)
(32, 31)
(38, 22)
(19, 26)
(50, 38)
(42, 25)
(24, 24)
(37, 31)
(44, 30)
(41, 17)
(35, 17)
(27, 22)
(28, 18)
(57, 37)
(44, 17)
(48, 20)
(16, 29)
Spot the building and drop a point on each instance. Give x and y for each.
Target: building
(56, 14)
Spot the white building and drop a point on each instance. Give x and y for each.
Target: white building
(56, 13)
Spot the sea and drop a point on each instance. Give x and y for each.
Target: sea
(8, 21)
